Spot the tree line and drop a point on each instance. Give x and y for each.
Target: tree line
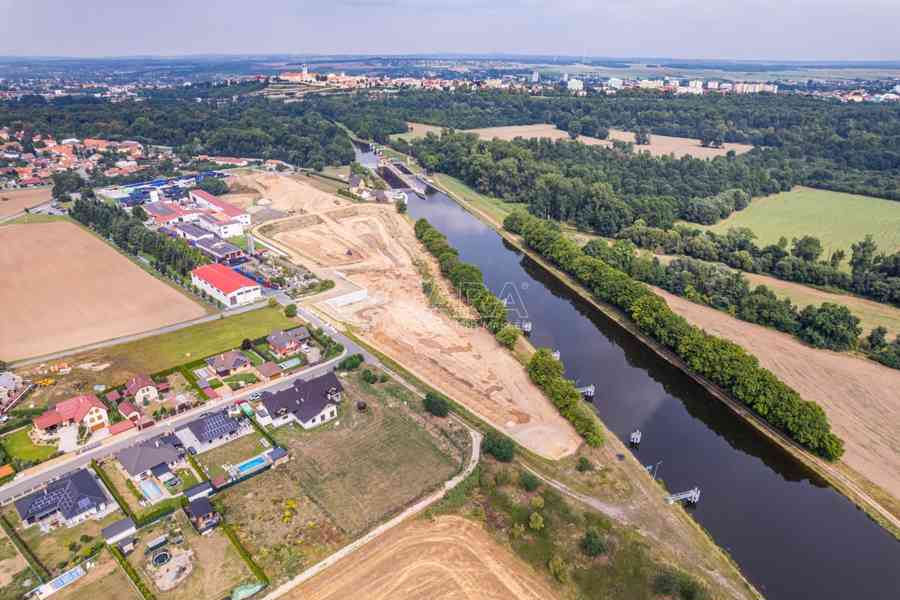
(546, 372)
(721, 361)
(872, 274)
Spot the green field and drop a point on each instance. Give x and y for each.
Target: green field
(496, 208)
(837, 219)
(19, 445)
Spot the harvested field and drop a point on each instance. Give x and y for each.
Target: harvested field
(376, 249)
(859, 396)
(15, 201)
(660, 145)
(72, 289)
(448, 558)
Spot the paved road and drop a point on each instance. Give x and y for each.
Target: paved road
(27, 482)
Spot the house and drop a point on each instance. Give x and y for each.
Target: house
(202, 514)
(285, 343)
(162, 454)
(142, 389)
(219, 250)
(269, 370)
(84, 410)
(220, 225)
(129, 411)
(121, 534)
(10, 386)
(70, 500)
(228, 363)
(201, 490)
(210, 430)
(309, 403)
(226, 285)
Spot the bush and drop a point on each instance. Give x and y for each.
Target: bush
(247, 344)
(351, 363)
(499, 446)
(272, 303)
(369, 377)
(436, 405)
(537, 502)
(503, 477)
(558, 569)
(593, 543)
(290, 311)
(536, 521)
(584, 465)
(508, 336)
(677, 584)
(529, 481)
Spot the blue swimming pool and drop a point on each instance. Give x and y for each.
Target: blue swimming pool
(151, 490)
(251, 465)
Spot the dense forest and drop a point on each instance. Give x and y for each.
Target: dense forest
(249, 127)
(723, 362)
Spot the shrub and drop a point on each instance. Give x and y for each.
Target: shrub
(508, 336)
(351, 363)
(290, 311)
(677, 584)
(272, 303)
(529, 481)
(584, 465)
(558, 569)
(247, 344)
(369, 377)
(499, 446)
(436, 405)
(536, 521)
(593, 543)
(537, 502)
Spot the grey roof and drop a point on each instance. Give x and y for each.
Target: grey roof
(72, 495)
(227, 361)
(281, 339)
(277, 452)
(203, 488)
(193, 231)
(160, 470)
(217, 247)
(306, 399)
(200, 507)
(147, 455)
(213, 426)
(117, 528)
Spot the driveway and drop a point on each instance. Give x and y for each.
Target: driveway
(68, 438)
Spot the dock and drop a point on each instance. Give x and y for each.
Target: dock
(692, 496)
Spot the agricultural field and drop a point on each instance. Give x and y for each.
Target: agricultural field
(660, 145)
(837, 219)
(15, 201)
(216, 568)
(214, 461)
(113, 365)
(73, 289)
(343, 477)
(449, 557)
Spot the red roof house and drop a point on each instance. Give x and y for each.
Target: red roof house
(84, 410)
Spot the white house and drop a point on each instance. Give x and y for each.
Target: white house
(142, 389)
(222, 227)
(309, 403)
(226, 285)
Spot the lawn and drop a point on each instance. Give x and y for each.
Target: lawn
(217, 566)
(241, 378)
(837, 219)
(497, 209)
(19, 446)
(240, 241)
(232, 453)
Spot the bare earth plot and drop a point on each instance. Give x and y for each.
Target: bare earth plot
(448, 559)
(375, 248)
(860, 396)
(15, 201)
(65, 288)
(660, 145)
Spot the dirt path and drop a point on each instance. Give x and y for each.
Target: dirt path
(861, 397)
(448, 558)
(375, 248)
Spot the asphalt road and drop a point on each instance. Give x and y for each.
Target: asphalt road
(26, 483)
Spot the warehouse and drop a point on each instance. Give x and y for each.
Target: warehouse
(225, 285)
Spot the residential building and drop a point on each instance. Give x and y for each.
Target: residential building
(615, 83)
(68, 501)
(219, 250)
(308, 403)
(120, 534)
(575, 85)
(129, 411)
(285, 343)
(84, 410)
(210, 430)
(226, 285)
(201, 514)
(157, 455)
(142, 389)
(201, 490)
(228, 363)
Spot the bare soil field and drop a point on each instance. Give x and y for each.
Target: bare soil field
(11, 562)
(375, 248)
(105, 581)
(70, 289)
(449, 558)
(860, 396)
(660, 145)
(15, 201)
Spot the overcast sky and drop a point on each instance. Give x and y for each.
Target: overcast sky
(744, 29)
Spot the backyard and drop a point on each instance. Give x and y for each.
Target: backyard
(18, 446)
(233, 453)
(104, 581)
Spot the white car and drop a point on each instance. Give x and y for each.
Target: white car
(255, 395)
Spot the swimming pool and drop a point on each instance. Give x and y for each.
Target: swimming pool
(251, 465)
(151, 490)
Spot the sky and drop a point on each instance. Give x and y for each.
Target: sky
(738, 29)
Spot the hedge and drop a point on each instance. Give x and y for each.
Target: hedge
(112, 490)
(200, 472)
(232, 536)
(39, 569)
(132, 574)
(721, 361)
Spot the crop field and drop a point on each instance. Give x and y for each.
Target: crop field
(446, 558)
(660, 145)
(72, 289)
(837, 219)
(15, 201)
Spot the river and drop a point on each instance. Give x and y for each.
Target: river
(790, 533)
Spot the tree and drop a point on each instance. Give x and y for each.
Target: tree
(246, 344)
(642, 136)
(807, 248)
(536, 521)
(529, 481)
(584, 465)
(214, 186)
(558, 568)
(508, 336)
(593, 543)
(830, 326)
(499, 446)
(436, 405)
(290, 311)
(877, 339)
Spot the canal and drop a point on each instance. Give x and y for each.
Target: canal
(791, 534)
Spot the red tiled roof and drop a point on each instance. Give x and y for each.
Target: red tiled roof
(225, 207)
(222, 278)
(137, 383)
(121, 426)
(73, 409)
(6, 471)
(126, 409)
